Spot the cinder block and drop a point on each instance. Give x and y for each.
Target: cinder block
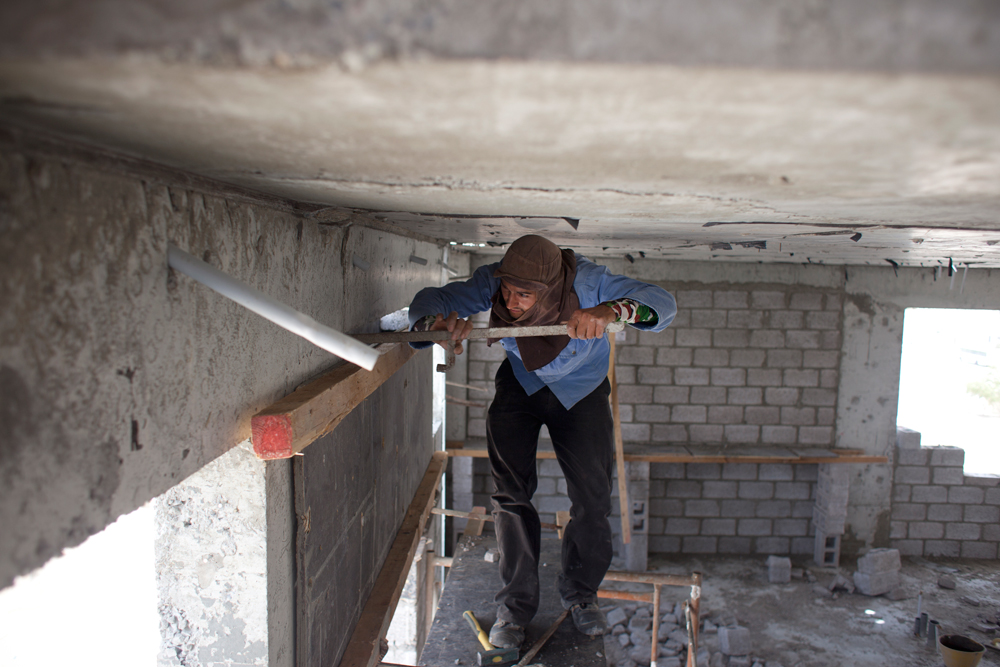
(798, 416)
(962, 531)
(708, 395)
(801, 378)
(820, 359)
(681, 488)
(792, 490)
(909, 512)
(759, 414)
(747, 358)
(926, 530)
(763, 377)
(691, 376)
(948, 456)
(803, 339)
(913, 457)
(673, 356)
(942, 548)
(690, 414)
(827, 550)
(819, 397)
(664, 544)
(739, 471)
(948, 476)
(715, 489)
(731, 338)
(781, 396)
(824, 320)
(786, 319)
(981, 513)
(912, 475)
(742, 433)
(701, 508)
(682, 526)
(729, 377)
(876, 584)
(987, 481)
(779, 435)
(806, 301)
(782, 358)
(730, 299)
(825, 416)
(754, 527)
(967, 495)
(655, 375)
(756, 490)
(774, 509)
(726, 414)
(693, 298)
(806, 472)
(652, 413)
(704, 318)
(801, 545)
(979, 550)
(739, 508)
(909, 547)
(700, 545)
(897, 530)
(616, 616)
(779, 569)
(694, 338)
(992, 496)
(734, 641)
(671, 395)
(945, 512)
(745, 395)
(767, 338)
(745, 319)
(831, 340)
(718, 527)
(929, 494)
(879, 560)
(816, 435)
(791, 528)
(703, 471)
(907, 438)
(706, 433)
(734, 545)
(776, 472)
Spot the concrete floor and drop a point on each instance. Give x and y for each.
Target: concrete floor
(794, 625)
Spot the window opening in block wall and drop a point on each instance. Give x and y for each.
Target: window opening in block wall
(949, 385)
(94, 605)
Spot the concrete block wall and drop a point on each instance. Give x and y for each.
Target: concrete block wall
(748, 366)
(937, 509)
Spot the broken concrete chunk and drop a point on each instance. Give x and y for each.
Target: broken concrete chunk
(822, 591)
(899, 593)
(972, 602)
(492, 556)
(669, 662)
(624, 639)
(617, 629)
(841, 582)
(947, 582)
(616, 616)
(717, 660)
(877, 583)
(779, 569)
(734, 641)
(739, 661)
(877, 561)
(640, 656)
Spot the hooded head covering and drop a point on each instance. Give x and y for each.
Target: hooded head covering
(537, 264)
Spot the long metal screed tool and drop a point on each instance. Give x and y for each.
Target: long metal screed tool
(492, 332)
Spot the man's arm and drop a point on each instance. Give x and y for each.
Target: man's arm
(457, 300)
(642, 305)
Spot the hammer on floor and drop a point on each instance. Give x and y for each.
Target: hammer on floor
(492, 655)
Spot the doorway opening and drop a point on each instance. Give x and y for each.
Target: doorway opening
(949, 382)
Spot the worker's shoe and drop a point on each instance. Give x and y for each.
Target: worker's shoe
(589, 619)
(507, 635)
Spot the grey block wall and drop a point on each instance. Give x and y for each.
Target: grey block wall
(937, 509)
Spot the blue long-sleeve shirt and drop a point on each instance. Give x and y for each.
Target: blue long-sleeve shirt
(583, 364)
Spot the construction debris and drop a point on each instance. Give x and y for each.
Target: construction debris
(779, 569)
(878, 572)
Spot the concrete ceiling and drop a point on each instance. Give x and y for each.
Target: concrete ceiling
(884, 147)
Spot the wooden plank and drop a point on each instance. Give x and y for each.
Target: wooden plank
(477, 519)
(363, 648)
(313, 410)
(623, 503)
(673, 457)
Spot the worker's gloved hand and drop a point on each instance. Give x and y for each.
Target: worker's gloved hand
(590, 322)
(460, 329)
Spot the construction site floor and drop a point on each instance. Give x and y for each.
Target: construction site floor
(472, 584)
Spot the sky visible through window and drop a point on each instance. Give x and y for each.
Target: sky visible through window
(945, 353)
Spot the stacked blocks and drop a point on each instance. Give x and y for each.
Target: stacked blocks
(779, 570)
(878, 572)
(830, 512)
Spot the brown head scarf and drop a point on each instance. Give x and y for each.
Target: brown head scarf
(537, 264)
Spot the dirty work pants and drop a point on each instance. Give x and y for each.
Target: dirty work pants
(582, 438)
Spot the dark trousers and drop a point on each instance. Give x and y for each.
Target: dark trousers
(582, 438)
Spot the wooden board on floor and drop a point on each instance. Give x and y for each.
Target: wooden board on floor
(471, 585)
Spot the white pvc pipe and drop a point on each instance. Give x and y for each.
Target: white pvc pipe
(284, 316)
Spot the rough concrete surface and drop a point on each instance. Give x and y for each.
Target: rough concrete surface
(120, 379)
(801, 624)
(638, 157)
(844, 34)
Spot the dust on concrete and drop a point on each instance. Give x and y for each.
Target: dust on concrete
(797, 625)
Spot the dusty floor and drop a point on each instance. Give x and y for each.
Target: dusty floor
(796, 625)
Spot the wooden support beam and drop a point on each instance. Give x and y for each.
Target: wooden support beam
(623, 504)
(674, 457)
(363, 648)
(313, 410)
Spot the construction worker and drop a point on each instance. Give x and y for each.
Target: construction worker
(561, 382)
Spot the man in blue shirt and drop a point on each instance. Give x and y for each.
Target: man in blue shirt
(558, 381)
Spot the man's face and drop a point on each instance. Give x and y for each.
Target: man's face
(519, 301)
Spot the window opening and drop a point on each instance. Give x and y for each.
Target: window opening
(949, 385)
